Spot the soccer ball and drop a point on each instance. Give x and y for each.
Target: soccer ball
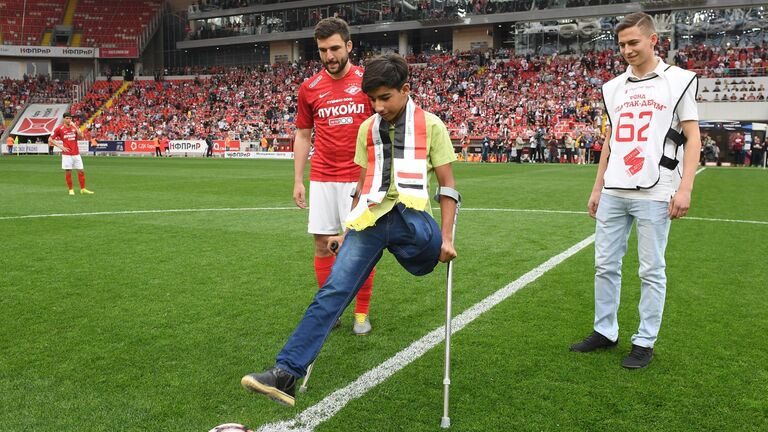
(231, 427)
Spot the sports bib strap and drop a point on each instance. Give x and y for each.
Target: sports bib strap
(679, 140)
(668, 163)
(676, 137)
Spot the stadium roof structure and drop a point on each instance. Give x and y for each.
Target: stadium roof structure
(472, 20)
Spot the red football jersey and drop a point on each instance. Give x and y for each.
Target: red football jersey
(68, 135)
(336, 108)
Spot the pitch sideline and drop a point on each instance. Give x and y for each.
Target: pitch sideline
(246, 209)
(254, 209)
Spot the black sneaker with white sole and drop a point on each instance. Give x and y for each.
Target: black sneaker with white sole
(638, 358)
(593, 342)
(274, 383)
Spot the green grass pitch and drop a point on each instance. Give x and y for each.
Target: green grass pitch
(146, 321)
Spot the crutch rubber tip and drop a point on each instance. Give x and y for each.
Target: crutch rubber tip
(302, 389)
(445, 422)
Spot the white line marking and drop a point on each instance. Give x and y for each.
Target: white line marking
(246, 209)
(132, 212)
(129, 212)
(725, 220)
(508, 210)
(756, 222)
(311, 417)
(234, 209)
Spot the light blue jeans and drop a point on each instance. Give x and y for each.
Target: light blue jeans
(412, 236)
(615, 217)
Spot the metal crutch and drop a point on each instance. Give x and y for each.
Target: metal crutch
(445, 421)
(303, 387)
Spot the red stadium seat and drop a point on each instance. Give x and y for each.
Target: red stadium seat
(111, 15)
(40, 15)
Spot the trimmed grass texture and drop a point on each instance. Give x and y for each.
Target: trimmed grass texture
(147, 321)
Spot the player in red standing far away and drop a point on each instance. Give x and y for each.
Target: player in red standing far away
(164, 145)
(65, 137)
(333, 102)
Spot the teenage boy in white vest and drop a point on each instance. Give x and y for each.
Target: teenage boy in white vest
(397, 148)
(646, 173)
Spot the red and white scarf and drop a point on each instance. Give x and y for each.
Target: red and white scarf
(407, 157)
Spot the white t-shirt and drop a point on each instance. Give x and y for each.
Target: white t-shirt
(669, 180)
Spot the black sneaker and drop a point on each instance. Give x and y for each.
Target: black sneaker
(638, 358)
(593, 342)
(275, 383)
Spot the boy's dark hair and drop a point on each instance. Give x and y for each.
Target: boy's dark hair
(389, 70)
(639, 19)
(328, 27)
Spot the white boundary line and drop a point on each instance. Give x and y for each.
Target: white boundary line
(509, 210)
(247, 209)
(756, 222)
(311, 417)
(725, 220)
(233, 209)
(130, 212)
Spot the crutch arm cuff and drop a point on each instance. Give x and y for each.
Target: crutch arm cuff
(449, 192)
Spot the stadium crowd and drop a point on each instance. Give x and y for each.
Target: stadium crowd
(101, 91)
(40, 88)
(491, 98)
(505, 97)
(718, 62)
(243, 102)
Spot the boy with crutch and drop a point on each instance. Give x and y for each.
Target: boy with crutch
(397, 148)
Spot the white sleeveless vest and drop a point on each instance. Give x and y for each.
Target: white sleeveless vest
(641, 112)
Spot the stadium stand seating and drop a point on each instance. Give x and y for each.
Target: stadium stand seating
(512, 95)
(749, 89)
(99, 93)
(113, 23)
(249, 103)
(711, 62)
(23, 22)
(498, 95)
(508, 97)
(42, 89)
(505, 97)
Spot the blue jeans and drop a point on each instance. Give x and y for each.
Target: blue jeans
(615, 217)
(412, 236)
